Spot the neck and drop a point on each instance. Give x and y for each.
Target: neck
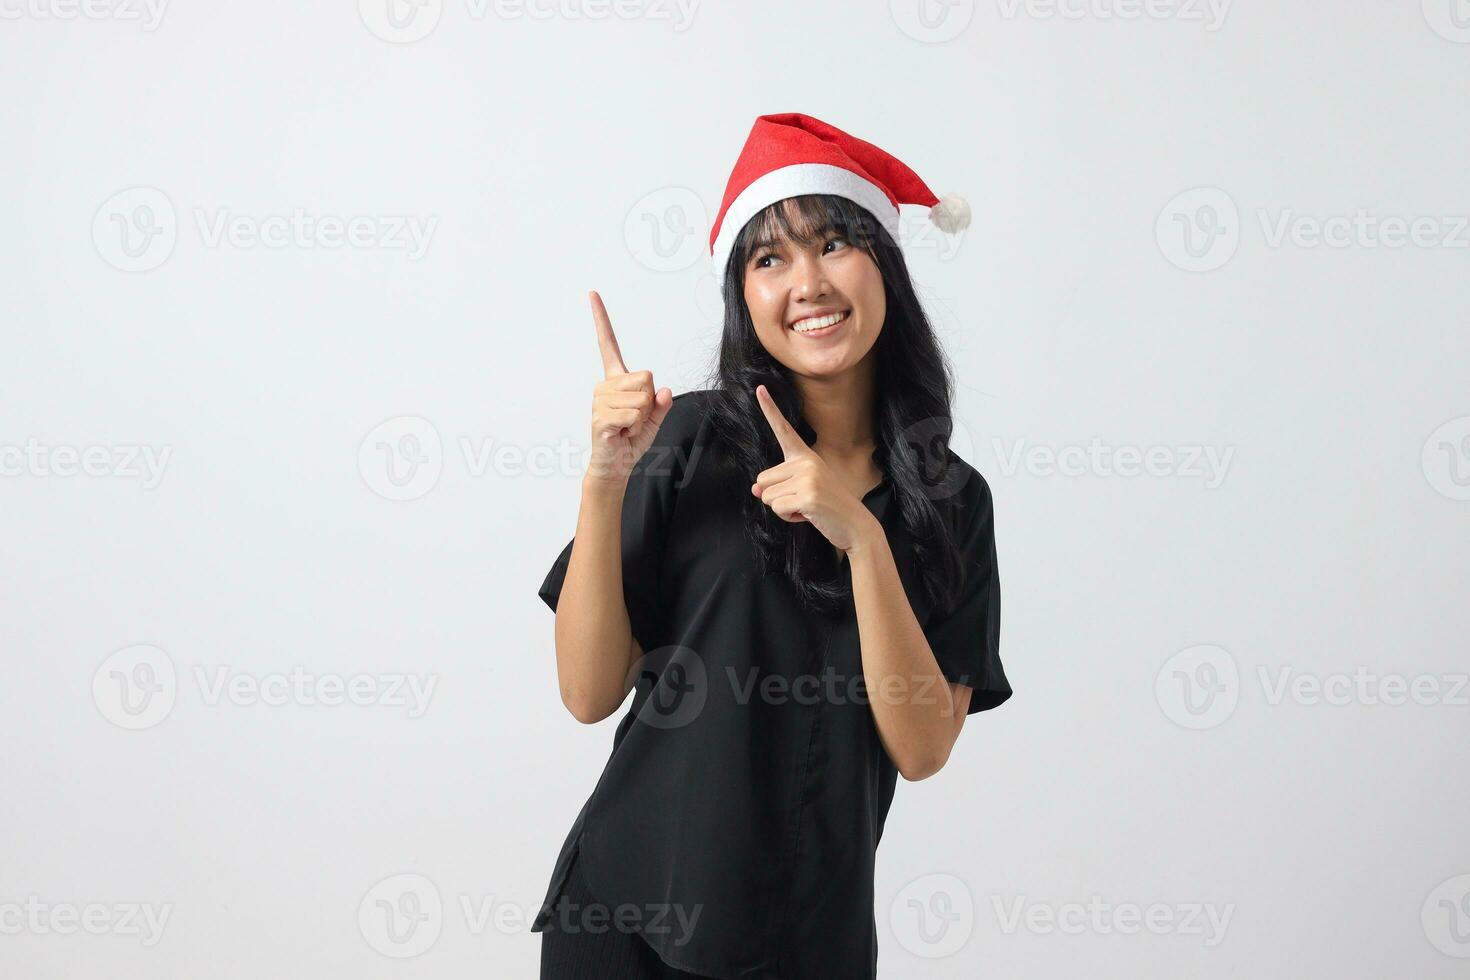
(840, 409)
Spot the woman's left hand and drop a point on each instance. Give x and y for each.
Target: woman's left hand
(804, 488)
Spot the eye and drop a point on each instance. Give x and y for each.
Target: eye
(837, 238)
(757, 263)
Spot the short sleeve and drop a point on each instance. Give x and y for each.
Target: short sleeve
(966, 639)
(648, 505)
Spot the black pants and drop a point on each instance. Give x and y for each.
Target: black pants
(609, 954)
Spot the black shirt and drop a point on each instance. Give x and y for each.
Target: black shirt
(747, 784)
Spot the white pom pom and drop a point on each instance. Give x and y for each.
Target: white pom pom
(951, 214)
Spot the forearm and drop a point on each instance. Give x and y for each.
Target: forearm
(593, 635)
(913, 705)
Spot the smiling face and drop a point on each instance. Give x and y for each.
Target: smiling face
(815, 295)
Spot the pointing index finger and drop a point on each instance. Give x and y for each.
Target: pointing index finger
(790, 440)
(607, 342)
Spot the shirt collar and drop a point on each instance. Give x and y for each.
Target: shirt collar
(809, 435)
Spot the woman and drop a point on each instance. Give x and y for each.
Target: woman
(794, 574)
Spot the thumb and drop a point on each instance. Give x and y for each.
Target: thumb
(661, 405)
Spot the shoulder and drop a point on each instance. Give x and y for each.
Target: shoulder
(687, 416)
(678, 444)
(970, 504)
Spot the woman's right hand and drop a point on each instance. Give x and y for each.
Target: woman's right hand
(626, 410)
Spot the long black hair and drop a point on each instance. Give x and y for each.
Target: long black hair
(912, 419)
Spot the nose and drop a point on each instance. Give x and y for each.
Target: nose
(809, 280)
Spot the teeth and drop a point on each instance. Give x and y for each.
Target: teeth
(817, 322)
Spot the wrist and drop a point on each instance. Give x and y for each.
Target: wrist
(869, 539)
(604, 487)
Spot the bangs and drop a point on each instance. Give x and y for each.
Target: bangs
(803, 220)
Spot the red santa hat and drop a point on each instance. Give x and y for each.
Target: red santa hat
(790, 153)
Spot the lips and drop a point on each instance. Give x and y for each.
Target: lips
(816, 326)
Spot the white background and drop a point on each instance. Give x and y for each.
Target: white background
(541, 151)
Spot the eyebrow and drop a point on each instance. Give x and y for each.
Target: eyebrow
(765, 243)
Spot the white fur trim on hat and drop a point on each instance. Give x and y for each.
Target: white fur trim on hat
(792, 181)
